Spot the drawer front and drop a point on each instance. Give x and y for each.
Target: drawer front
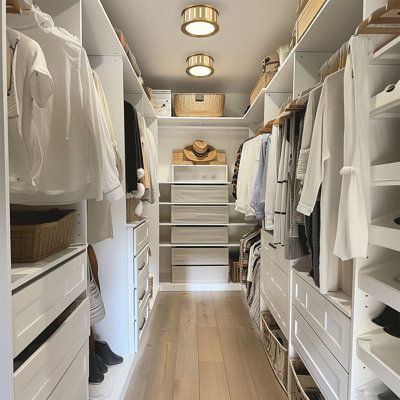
(74, 384)
(199, 215)
(37, 305)
(40, 374)
(200, 274)
(141, 293)
(201, 235)
(199, 194)
(274, 286)
(141, 322)
(141, 238)
(333, 327)
(141, 264)
(200, 256)
(329, 375)
(273, 251)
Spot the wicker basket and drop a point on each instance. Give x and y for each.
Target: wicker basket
(302, 385)
(263, 81)
(133, 206)
(276, 348)
(37, 234)
(235, 271)
(199, 105)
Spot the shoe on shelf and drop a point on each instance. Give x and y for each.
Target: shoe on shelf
(95, 375)
(393, 330)
(100, 365)
(387, 317)
(106, 355)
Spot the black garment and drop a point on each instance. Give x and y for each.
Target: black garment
(313, 226)
(133, 147)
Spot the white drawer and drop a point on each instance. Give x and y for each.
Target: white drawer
(200, 256)
(74, 384)
(140, 238)
(40, 374)
(141, 293)
(200, 274)
(142, 264)
(199, 215)
(275, 252)
(333, 327)
(38, 304)
(141, 322)
(199, 234)
(329, 375)
(274, 286)
(199, 194)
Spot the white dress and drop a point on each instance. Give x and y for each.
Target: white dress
(323, 171)
(355, 207)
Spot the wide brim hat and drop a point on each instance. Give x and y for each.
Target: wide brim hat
(200, 151)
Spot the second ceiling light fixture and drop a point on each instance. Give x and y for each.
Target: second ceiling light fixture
(200, 21)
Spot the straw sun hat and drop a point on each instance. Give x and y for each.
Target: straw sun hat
(200, 150)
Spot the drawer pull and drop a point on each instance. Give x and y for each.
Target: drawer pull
(142, 266)
(142, 296)
(272, 245)
(143, 323)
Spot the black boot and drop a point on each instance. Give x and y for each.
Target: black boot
(100, 365)
(106, 355)
(394, 328)
(95, 375)
(387, 317)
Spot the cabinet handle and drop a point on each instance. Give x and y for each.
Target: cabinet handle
(143, 265)
(272, 245)
(142, 326)
(142, 296)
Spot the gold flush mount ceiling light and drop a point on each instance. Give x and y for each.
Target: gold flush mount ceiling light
(200, 65)
(200, 21)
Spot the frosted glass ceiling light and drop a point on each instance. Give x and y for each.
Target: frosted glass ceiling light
(200, 65)
(200, 21)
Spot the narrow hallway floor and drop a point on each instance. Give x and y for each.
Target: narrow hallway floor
(202, 345)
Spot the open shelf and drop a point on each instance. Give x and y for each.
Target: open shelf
(165, 244)
(388, 54)
(380, 353)
(386, 174)
(372, 389)
(385, 232)
(108, 43)
(23, 273)
(339, 299)
(383, 283)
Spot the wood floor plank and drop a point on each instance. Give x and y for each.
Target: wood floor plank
(160, 385)
(205, 310)
(187, 353)
(187, 389)
(209, 344)
(213, 382)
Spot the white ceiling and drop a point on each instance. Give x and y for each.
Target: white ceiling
(249, 31)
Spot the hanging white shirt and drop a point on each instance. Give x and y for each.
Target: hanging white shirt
(272, 177)
(355, 207)
(79, 160)
(29, 88)
(248, 168)
(323, 171)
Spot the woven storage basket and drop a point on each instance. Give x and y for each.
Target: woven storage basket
(277, 353)
(263, 81)
(37, 234)
(131, 205)
(199, 105)
(302, 385)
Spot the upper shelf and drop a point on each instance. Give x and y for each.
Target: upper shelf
(388, 54)
(95, 20)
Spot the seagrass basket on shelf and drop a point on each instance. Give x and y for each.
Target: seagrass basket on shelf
(38, 234)
(199, 104)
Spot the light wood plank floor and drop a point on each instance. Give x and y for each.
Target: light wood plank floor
(202, 346)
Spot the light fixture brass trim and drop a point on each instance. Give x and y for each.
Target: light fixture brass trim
(199, 60)
(200, 13)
